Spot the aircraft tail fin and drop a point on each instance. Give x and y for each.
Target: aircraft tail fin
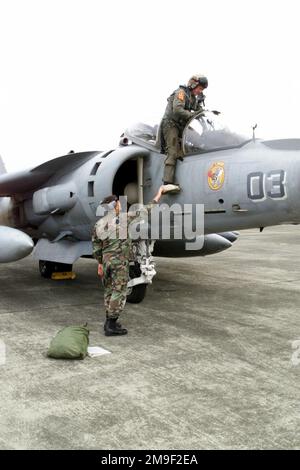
(2, 166)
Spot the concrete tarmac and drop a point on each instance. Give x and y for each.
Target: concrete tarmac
(208, 362)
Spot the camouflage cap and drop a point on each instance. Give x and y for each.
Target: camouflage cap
(109, 199)
(107, 204)
(196, 80)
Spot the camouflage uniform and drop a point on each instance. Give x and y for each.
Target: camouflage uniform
(177, 114)
(112, 249)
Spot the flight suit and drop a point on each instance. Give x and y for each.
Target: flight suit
(112, 248)
(177, 114)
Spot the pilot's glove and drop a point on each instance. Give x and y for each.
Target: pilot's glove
(198, 113)
(216, 112)
(201, 99)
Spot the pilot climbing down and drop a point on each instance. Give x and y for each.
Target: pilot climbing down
(112, 249)
(182, 105)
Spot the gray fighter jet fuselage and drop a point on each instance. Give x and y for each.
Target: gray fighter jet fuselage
(242, 184)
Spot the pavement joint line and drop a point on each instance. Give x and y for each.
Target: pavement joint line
(42, 307)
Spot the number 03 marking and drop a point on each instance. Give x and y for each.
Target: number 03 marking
(262, 185)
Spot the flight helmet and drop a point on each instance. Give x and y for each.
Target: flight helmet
(196, 80)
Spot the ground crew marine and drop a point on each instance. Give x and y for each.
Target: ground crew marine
(113, 253)
(112, 249)
(182, 106)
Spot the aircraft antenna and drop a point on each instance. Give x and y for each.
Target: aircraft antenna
(253, 132)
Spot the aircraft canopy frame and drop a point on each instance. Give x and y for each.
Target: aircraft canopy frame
(202, 134)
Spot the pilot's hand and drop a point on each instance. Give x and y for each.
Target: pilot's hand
(200, 112)
(216, 112)
(100, 270)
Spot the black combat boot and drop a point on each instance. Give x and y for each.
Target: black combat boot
(118, 324)
(113, 328)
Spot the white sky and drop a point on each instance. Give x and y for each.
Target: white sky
(75, 73)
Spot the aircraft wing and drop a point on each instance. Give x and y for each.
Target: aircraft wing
(29, 180)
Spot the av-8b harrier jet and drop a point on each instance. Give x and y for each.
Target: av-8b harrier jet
(242, 182)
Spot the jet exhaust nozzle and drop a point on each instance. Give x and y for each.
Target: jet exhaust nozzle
(14, 244)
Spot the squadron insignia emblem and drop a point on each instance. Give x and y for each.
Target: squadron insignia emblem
(216, 176)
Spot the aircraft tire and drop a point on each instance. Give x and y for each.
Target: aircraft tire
(137, 293)
(47, 268)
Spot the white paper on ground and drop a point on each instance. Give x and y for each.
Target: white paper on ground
(95, 351)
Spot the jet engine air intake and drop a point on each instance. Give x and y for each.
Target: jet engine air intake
(131, 192)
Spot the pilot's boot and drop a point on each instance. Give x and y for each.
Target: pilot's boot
(169, 173)
(171, 188)
(114, 328)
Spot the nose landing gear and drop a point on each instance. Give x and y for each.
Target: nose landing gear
(48, 268)
(141, 271)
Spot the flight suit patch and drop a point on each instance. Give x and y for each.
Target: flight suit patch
(181, 95)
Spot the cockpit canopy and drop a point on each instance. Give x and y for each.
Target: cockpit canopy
(202, 134)
(208, 132)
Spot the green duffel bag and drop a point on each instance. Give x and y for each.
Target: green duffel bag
(70, 343)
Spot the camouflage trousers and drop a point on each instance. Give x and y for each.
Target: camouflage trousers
(171, 135)
(115, 278)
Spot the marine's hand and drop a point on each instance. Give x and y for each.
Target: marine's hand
(100, 270)
(158, 194)
(162, 189)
